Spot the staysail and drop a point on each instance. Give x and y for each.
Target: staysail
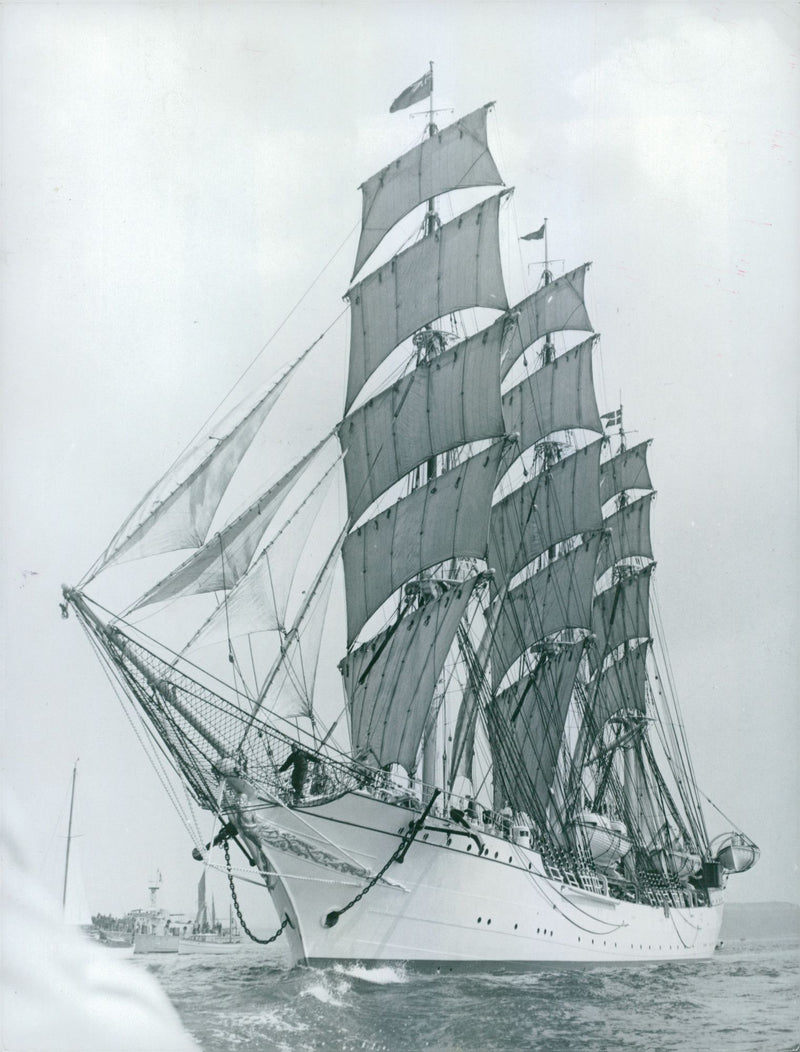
(179, 509)
(258, 599)
(224, 558)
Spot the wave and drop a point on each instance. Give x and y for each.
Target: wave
(381, 975)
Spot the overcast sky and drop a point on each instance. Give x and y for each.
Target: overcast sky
(174, 179)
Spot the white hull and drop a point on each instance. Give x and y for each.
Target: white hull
(144, 943)
(457, 900)
(207, 946)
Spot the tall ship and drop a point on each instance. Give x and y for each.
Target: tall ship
(507, 781)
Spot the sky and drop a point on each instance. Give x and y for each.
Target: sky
(179, 193)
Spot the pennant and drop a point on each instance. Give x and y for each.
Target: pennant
(420, 89)
(613, 419)
(537, 235)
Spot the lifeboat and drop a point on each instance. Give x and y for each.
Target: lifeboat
(735, 852)
(676, 862)
(605, 838)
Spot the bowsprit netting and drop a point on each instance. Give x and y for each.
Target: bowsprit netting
(206, 733)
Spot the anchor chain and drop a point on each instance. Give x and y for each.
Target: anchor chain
(398, 856)
(263, 942)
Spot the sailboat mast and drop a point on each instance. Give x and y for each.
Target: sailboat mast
(69, 838)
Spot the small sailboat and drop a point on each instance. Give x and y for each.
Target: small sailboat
(209, 938)
(515, 786)
(74, 905)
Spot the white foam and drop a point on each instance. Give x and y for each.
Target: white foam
(382, 975)
(272, 1018)
(327, 993)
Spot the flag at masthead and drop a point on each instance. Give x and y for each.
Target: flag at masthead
(415, 92)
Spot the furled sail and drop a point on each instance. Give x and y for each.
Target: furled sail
(447, 518)
(552, 308)
(390, 680)
(621, 613)
(447, 402)
(178, 511)
(629, 534)
(456, 157)
(556, 397)
(458, 266)
(224, 558)
(549, 601)
(527, 727)
(558, 503)
(259, 600)
(627, 470)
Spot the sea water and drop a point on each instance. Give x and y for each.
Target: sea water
(746, 999)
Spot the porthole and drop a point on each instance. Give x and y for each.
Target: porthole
(516, 926)
(496, 854)
(510, 858)
(479, 920)
(469, 847)
(489, 921)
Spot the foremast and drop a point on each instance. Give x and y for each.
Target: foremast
(425, 454)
